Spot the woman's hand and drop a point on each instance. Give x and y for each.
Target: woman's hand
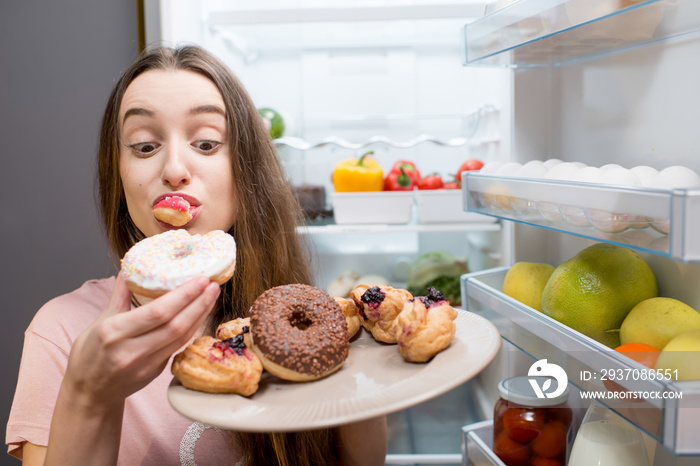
(125, 349)
(120, 353)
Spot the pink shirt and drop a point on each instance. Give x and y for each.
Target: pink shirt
(153, 432)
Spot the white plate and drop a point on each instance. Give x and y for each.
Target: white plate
(374, 381)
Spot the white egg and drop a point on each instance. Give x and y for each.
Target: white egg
(617, 176)
(527, 208)
(490, 168)
(637, 238)
(563, 171)
(647, 175)
(609, 222)
(610, 166)
(587, 175)
(509, 169)
(574, 215)
(677, 177)
(532, 169)
(552, 162)
(615, 222)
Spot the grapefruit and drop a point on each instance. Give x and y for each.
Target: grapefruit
(595, 290)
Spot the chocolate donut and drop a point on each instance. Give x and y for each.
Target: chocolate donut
(299, 332)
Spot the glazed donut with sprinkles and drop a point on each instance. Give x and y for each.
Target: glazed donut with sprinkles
(163, 262)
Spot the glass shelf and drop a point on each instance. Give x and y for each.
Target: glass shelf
(470, 124)
(477, 444)
(334, 229)
(663, 222)
(672, 421)
(530, 33)
(265, 29)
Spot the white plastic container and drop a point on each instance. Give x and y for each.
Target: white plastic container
(384, 207)
(445, 206)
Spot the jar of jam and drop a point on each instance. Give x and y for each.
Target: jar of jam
(528, 430)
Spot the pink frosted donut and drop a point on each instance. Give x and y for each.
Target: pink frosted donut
(163, 262)
(173, 210)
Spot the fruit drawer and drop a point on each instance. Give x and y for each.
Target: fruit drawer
(664, 222)
(477, 440)
(669, 410)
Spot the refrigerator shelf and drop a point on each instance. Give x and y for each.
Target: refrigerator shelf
(669, 418)
(470, 124)
(477, 444)
(334, 229)
(255, 32)
(663, 222)
(533, 33)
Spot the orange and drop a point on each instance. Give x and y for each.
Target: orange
(640, 352)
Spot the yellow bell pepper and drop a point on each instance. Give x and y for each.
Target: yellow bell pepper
(354, 175)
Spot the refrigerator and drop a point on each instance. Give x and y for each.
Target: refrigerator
(595, 82)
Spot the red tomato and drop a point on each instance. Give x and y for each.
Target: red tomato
(452, 185)
(552, 440)
(430, 182)
(511, 452)
(523, 424)
(408, 166)
(471, 164)
(399, 181)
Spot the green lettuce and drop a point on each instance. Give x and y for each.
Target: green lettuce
(441, 270)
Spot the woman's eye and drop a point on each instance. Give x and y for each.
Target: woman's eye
(207, 146)
(144, 148)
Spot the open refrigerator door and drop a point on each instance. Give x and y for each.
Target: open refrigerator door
(596, 83)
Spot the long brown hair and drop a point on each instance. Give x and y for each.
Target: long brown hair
(269, 250)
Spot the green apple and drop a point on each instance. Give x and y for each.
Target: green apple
(682, 354)
(525, 282)
(273, 122)
(656, 321)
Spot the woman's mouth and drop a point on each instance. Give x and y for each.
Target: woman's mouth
(174, 211)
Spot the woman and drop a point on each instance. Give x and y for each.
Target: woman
(177, 121)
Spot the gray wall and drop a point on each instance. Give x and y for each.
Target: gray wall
(58, 62)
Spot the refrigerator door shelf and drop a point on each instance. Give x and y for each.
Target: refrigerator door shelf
(586, 362)
(663, 222)
(477, 440)
(532, 33)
